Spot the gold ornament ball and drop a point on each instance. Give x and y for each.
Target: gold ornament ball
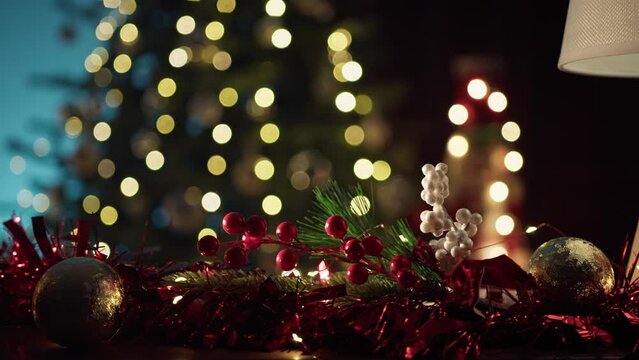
(78, 302)
(572, 274)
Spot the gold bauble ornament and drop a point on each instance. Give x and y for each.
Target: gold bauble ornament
(572, 274)
(78, 302)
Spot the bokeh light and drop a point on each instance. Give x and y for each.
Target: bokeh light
(114, 98)
(222, 133)
(185, 25)
(102, 131)
(41, 147)
(354, 135)
(91, 204)
(504, 225)
(73, 126)
(264, 169)
(211, 201)
(129, 186)
(122, 63)
(167, 87)
(497, 101)
(222, 60)
(108, 215)
(214, 30)
(165, 124)
(272, 205)
(269, 133)
(154, 160)
(228, 97)
(264, 97)
(513, 161)
(458, 114)
(281, 38)
(498, 191)
(225, 6)
(352, 71)
(477, 89)
(363, 169)
(128, 33)
(381, 170)
(510, 131)
(364, 104)
(345, 101)
(216, 165)
(41, 202)
(25, 198)
(178, 57)
(106, 168)
(275, 7)
(360, 205)
(205, 232)
(339, 40)
(300, 180)
(17, 165)
(457, 146)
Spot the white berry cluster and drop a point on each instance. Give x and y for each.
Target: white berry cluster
(457, 243)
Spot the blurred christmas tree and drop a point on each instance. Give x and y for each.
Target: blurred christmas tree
(196, 108)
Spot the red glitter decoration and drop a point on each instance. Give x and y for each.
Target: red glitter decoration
(286, 260)
(286, 231)
(255, 226)
(208, 245)
(357, 273)
(235, 257)
(373, 245)
(354, 249)
(233, 223)
(336, 226)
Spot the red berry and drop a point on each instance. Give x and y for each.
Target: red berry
(336, 226)
(235, 257)
(354, 250)
(373, 245)
(399, 263)
(286, 260)
(208, 245)
(357, 273)
(251, 243)
(233, 223)
(255, 226)
(406, 278)
(286, 231)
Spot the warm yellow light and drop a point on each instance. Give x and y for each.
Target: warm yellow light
(25, 198)
(91, 204)
(73, 126)
(167, 87)
(109, 215)
(214, 30)
(504, 225)
(222, 60)
(114, 98)
(211, 201)
(354, 135)
(339, 40)
(122, 63)
(264, 169)
(458, 114)
(106, 168)
(225, 6)
(264, 97)
(154, 160)
(205, 232)
(345, 101)
(104, 249)
(178, 57)
(497, 101)
(269, 133)
(216, 165)
(337, 73)
(272, 205)
(510, 131)
(222, 133)
(111, 4)
(104, 30)
(102, 131)
(477, 89)
(193, 195)
(340, 57)
(300, 180)
(381, 170)
(352, 71)
(281, 38)
(363, 169)
(102, 53)
(128, 33)
(185, 25)
(17, 165)
(498, 191)
(41, 147)
(531, 229)
(228, 97)
(457, 146)
(93, 63)
(275, 7)
(129, 186)
(364, 104)
(127, 7)
(513, 161)
(41, 202)
(360, 205)
(165, 124)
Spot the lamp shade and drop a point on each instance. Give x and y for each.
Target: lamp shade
(601, 38)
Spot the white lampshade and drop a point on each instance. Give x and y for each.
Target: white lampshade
(601, 38)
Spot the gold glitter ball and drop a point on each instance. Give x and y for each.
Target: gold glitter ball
(573, 275)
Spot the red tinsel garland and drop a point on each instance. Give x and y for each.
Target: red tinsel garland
(263, 317)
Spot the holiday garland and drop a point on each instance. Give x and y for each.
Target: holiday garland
(401, 295)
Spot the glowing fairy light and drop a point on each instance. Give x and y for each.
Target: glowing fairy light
(178, 57)
(457, 146)
(264, 169)
(177, 299)
(154, 160)
(275, 8)
(363, 169)
(352, 71)
(106, 168)
(264, 97)
(91, 204)
(25, 198)
(216, 165)
(477, 89)
(108, 215)
(513, 161)
(272, 205)
(381, 170)
(214, 30)
(497, 101)
(228, 97)
(360, 205)
(122, 63)
(165, 124)
(102, 131)
(167, 87)
(354, 135)
(211, 201)
(185, 25)
(129, 186)
(531, 229)
(222, 133)
(128, 33)
(345, 101)
(510, 131)
(17, 165)
(498, 191)
(281, 38)
(269, 133)
(504, 225)
(458, 114)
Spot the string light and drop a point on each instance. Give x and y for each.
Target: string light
(154, 160)
(354, 135)
(167, 87)
(272, 205)
(458, 114)
(345, 101)
(339, 40)
(498, 191)
(269, 133)
(513, 161)
(106, 168)
(129, 186)
(381, 170)
(178, 57)
(228, 97)
(504, 225)
(185, 25)
(363, 169)
(275, 8)
(108, 215)
(264, 97)
(352, 71)
(211, 202)
(25, 198)
(111, 4)
(73, 127)
(41, 202)
(216, 165)
(222, 60)
(214, 30)
(122, 63)
(281, 38)
(222, 133)
(264, 169)
(225, 6)
(91, 204)
(477, 89)
(114, 98)
(531, 229)
(17, 165)
(300, 180)
(165, 124)
(127, 7)
(92, 63)
(364, 104)
(128, 33)
(104, 30)
(102, 131)
(497, 101)
(360, 205)
(457, 146)
(510, 131)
